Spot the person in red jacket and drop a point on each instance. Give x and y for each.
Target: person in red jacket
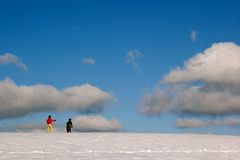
(49, 123)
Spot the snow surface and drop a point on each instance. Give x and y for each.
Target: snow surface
(118, 146)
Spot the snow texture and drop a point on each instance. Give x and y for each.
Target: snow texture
(118, 146)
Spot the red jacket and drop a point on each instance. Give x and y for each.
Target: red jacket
(50, 120)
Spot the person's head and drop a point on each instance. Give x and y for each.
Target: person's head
(49, 116)
(69, 119)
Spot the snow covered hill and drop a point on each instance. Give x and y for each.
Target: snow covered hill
(118, 146)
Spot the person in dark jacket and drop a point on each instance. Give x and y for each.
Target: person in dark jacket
(69, 125)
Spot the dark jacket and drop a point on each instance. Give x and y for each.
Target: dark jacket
(69, 124)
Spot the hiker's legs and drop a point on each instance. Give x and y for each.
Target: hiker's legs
(68, 129)
(50, 129)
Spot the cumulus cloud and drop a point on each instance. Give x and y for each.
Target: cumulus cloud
(214, 123)
(16, 101)
(156, 102)
(31, 127)
(133, 57)
(207, 84)
(190, 100)
(9, 58)
(217, 64)
(80, 124)
(232, 122)
(197, 123)
(95, 124)
(189, 123)
(88, 60)
(23, 127)
(193, 36)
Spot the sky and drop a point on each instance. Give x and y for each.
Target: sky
(135, 66)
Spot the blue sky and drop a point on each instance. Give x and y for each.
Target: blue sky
(132, 45)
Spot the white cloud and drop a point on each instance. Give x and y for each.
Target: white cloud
(156, 102)
(197, 123)
(31, 127)
(232, 122)
(214, 123)
(208, 84)
(16, 101)
(193, 36)
(23, 127)
(9, 58)
(88, 60)
(80, 124)
(133, 57)
(95, 124)
(217, 64)
(190, 123)
(190, 100)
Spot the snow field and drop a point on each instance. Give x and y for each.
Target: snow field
(118, 146)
